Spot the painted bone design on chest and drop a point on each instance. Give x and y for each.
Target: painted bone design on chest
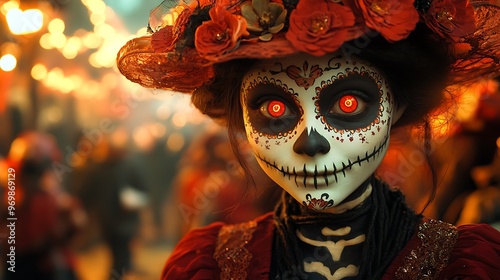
(335, 249)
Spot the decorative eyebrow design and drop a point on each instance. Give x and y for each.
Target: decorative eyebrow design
(259, 81)
(305, 76)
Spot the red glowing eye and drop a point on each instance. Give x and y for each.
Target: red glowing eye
(276, 108)
(348, 103)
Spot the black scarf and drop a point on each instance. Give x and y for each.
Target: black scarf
(391, 223)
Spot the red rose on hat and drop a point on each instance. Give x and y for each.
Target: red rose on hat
(319, 27)
(220, 34)
(393, 19)
(450, 19)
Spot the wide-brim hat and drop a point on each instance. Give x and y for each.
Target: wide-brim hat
(187, 38)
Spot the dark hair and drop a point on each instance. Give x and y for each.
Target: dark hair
(220, 100)
(417, 68)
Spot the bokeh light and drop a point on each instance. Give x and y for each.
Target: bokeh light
(38, 72)
(9, 5)
(56, 26)
(175, 142)
(24, 22)
(8, 62)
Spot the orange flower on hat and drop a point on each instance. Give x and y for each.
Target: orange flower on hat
(220, 34)
(319, 27)
(393, 19)
(451, 19)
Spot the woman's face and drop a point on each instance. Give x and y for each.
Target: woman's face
(318, 126)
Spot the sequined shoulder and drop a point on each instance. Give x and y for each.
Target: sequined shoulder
(435, 243)
(231, 254)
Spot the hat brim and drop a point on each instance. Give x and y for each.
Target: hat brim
(138, 61)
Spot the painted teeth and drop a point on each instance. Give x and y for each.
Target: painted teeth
(314, 175)
(325, 175)
(335, 172)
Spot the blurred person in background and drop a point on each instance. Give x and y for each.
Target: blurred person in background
(483, 204)
(479, 201)
(47, 217)
(113, 192)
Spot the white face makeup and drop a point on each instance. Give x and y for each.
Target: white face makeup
(318, 126)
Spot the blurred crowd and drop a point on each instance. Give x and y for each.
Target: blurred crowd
(101, 201)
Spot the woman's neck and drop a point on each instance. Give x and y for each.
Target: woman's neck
(332, 246)
(352, 201)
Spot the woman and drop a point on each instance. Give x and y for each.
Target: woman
(315, 86)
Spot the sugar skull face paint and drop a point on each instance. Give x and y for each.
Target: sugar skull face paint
(321, 139)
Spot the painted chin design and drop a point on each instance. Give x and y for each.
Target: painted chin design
(318, 204)
(322, 176)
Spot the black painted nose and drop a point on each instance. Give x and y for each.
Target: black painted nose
(311, 144)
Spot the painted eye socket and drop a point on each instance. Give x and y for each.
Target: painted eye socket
(274, 109)
(350, 102)
(348, 105)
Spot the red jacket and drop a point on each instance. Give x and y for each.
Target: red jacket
(437, 248)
